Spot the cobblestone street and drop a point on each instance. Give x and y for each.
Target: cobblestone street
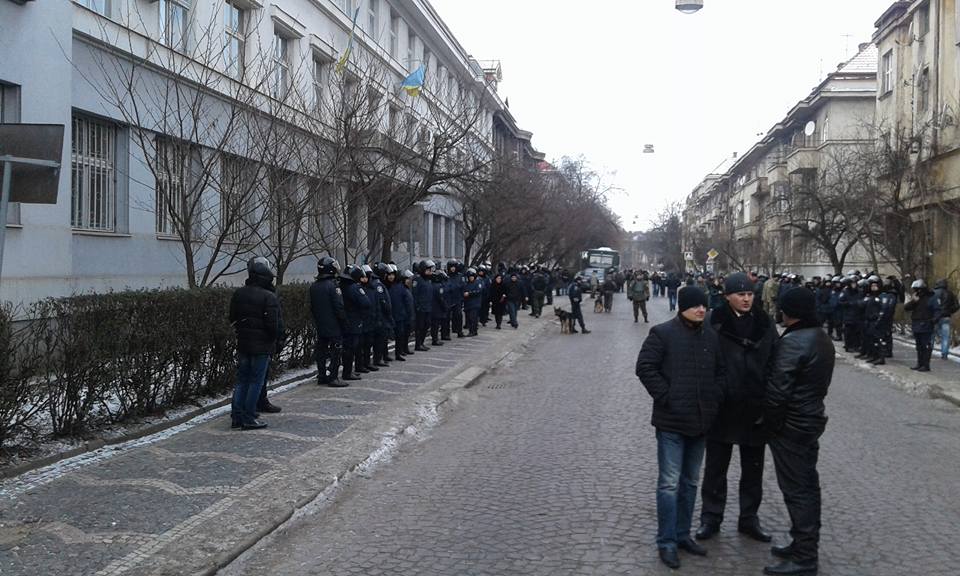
(549, 467)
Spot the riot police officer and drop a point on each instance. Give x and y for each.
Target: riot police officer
(422, 289)
(440, 319)
(329, 319)
(850, 304)
(485, 295)
(371, 322)
(401, 301)
(871, 317)
(384, 332)
(355, 304)
(884, 327)
(575, 293)
(472, 295)
(454, 299)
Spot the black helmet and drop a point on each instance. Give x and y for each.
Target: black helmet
(367, 271)
(381, 269)
(355, 273)
(471, 271)
(425, 265)
(327, 267)
(260, 267)
(440, 276)
(406, 275)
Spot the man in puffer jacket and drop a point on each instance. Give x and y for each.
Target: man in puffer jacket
(681, 367)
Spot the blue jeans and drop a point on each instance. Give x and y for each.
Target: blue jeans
(679, 458)
(251, 372)
(512, 311)
(673, 300)
(943, 328)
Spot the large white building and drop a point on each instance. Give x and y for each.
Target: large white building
(60, 61)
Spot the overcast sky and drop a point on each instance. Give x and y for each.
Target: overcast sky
(605, 77)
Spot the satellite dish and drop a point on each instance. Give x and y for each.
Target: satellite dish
(810, 128)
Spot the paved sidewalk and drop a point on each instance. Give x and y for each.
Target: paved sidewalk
(189, 502)
(942, 382)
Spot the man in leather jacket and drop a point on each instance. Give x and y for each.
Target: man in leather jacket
(795, 418)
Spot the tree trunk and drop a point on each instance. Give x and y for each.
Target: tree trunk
(387, 234)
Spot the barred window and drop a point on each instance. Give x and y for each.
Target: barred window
(93, 196)
(171, 174)
(237, 189)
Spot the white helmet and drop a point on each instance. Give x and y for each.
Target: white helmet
(918, 284)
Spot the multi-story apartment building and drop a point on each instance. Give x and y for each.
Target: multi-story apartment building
(161, 100)
(757, 212)
(918, 117)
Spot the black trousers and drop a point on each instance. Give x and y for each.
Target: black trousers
(401, 337)
(577, 313)
(440, 328)
(473, 320)
(456, 320)
(484, 310)
(924, 344)
(795, 460)
(851, 336)
(536, 303)
(714, 490)
(421, 326)
(351, 343)
(381, 341)
(327, 353)
(365, 350)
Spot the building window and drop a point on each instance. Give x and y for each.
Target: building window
(394, 35)
(173, 24)
(347, 7)
(411, 50)
(436, 233)
(458, 239)
(448, 238)
(234, 21)
(98, 6)
(281, 65)
(923, 90)
(10, 114)
(393, 122)
(170, 170)
(426, 59)
(321, 74)
(886, 72)
(373, 18)
(237, 177)
(93, 188)
(923, 21)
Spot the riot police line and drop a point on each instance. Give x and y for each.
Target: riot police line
(359, 309)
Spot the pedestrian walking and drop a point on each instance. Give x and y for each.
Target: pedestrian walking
(255, 317)
(638, 291)
(498, 299)
(329, 317)
(948, 307)
(607, 289)
(747, 336)
(575, 293)
(538, 283)
(924, 312)
(681, 367)
(672, 284)
(794, 416)
(514, 292)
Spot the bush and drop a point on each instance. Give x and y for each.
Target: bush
(106, 358)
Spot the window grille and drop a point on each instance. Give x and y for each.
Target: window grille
(93, 177)
(171, 175)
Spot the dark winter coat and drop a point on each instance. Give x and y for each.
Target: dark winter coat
(924, 311)
(498, 297)
(356, 304)
(255, 316)
(385, 307)
(515, 291)
(398, 305)
(326, 308)
(423, 289)
(539, 283)
(799, 377)
(683, 370)
(747, 353)
(453, 293)
(440, 309)
(475, 292)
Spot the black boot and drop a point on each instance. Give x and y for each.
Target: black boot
(792, 568)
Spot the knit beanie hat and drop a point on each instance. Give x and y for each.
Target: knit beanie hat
(736, 283)
(690, 297)
(799, 303)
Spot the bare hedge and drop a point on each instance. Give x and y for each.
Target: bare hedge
(72, 364)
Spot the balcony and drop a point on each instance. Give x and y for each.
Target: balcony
(746, 231)
(802, 159)
(756, 187)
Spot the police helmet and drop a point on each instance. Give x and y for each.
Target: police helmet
(426, 265)
(327, 267)
(862, 283)
(874, 279)
(259, 266)
(406, 275)
(392, 268)
(836, 279)
(355, 273)
(381, 270)
(453, 263)
(440, 276)
(918, 284)
(471, 271)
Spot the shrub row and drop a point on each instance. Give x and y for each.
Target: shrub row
(69, 365)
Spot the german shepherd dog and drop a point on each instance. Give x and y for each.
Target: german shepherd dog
(598, 305)
(566, 320)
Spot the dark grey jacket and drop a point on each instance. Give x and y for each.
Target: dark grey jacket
(683, 370)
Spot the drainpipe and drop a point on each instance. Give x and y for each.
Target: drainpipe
(936, 85)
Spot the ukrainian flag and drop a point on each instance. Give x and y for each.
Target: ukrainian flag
(414, 82)
(342, 62)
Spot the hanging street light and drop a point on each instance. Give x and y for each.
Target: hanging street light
(689, 6)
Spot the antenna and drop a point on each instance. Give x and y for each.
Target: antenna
(846, 47)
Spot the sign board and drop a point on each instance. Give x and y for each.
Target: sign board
(712, 254)
(688, 256)
(31, 183)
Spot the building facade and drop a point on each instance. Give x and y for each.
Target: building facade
(162, 101)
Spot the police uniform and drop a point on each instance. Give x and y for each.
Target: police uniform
(329, 319)
(422, 290)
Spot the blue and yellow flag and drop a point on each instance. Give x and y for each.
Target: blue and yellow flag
(414, 82)
(342, 62)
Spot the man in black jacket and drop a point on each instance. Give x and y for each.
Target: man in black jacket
(355, 304)
(681, 367)
(795, 418)
(747, 335)
(255, 316)
(329, 318)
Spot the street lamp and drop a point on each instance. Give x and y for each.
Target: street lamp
(689, 6)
